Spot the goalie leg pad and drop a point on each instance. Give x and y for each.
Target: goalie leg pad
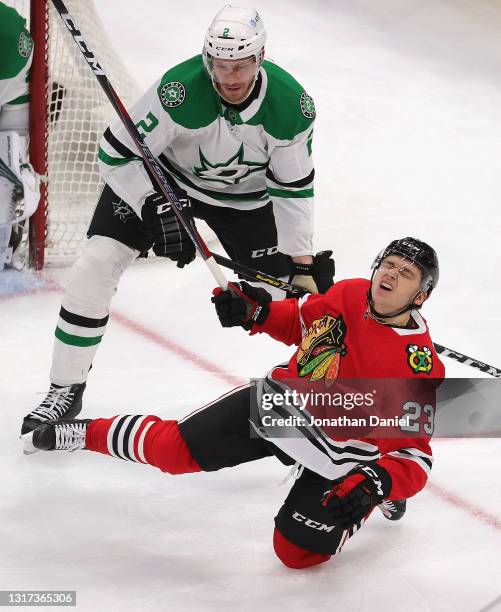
(5, 249)
(19, 184)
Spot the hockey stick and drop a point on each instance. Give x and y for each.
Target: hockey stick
(469, 361)
(256, 275)
(148, 157)
(295, 291)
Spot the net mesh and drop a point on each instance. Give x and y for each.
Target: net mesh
(79, 112)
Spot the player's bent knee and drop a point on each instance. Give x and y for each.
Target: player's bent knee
(95, 275)
(294, 556)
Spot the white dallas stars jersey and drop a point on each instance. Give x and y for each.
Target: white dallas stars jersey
(221, 156)
(16, 48)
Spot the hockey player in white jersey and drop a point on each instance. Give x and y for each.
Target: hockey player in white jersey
(19, 194)
(233, 133)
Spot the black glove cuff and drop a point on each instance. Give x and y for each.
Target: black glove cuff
(300, 269)
(258, 307)
(378, 478)
(258, 316)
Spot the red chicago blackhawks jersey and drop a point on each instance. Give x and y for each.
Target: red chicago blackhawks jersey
(338, 341)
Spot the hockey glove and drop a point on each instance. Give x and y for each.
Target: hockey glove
(316, 277)
(170, 238)
(353, 497)
(241, 304)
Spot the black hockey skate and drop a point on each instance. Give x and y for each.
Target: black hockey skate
(62, 434)
(393, 509)
(60, 402)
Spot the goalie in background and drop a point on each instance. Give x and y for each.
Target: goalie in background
(19, 191)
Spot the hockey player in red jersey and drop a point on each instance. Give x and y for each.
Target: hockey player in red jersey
(359, 329)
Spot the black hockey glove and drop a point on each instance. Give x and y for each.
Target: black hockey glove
(354, 496)
(241, 304)
(316, 277)
(171, 239)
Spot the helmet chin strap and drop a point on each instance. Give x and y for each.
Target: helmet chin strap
(378, 316)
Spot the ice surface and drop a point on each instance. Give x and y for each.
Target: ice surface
(407, 141)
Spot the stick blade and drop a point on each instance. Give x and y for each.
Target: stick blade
(28, 448)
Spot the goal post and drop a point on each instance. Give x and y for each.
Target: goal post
(38, 130)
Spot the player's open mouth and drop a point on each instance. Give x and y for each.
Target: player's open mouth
(386, 286)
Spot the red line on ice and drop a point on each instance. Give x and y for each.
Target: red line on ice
(174, 347)
(466, 506)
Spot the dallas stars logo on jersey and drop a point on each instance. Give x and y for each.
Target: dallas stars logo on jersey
(172, 94)
(122, 210)
(307, 106)
(25, 44)
(230, 172)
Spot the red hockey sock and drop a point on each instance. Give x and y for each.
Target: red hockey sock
(144, 439)
(294, 556)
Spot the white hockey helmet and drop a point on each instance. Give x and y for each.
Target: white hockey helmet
(235, 33)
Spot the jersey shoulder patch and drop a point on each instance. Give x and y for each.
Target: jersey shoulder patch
(287, 109)
(187, 95)
(16, 43)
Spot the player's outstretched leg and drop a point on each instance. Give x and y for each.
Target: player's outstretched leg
(393, 509)
(81, 325)
(139, 438)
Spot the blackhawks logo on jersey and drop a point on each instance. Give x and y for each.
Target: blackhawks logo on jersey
(419, 359)
(172, 94)
(321, 349)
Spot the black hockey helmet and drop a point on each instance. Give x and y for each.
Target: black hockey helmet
(419, 253)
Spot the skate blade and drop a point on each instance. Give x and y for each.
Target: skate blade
(28, 448)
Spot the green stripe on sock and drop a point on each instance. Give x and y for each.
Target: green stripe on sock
(76, 340)
(285, 193)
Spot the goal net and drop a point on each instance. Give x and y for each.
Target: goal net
(68, 114)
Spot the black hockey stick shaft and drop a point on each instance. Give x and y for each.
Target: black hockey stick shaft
(295, 291)
(148, 157)
(469, 361)
(256, 275)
